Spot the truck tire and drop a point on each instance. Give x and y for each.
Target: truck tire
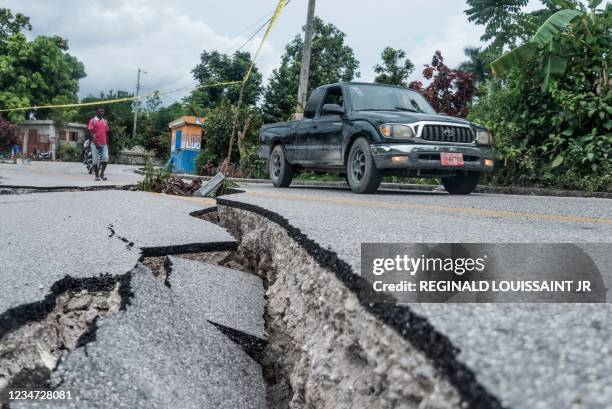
(362, 174)
(461, 184)
(281, 171)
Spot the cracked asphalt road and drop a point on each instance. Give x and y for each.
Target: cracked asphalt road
(49, 235)
(151, 356)
(536, 356)
(234, 299)
(528, 355)
(162, 351)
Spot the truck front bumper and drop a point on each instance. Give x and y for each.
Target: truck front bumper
(427, 157)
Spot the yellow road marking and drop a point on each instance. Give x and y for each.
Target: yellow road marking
(438, 209)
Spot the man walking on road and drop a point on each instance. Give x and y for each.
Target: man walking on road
(98, 129)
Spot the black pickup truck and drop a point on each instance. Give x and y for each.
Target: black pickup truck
(368, 131)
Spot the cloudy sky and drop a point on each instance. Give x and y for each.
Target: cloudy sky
(115, 37)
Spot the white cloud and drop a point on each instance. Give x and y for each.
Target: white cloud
(113, 39)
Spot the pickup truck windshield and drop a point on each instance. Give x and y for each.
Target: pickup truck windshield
(380, 98)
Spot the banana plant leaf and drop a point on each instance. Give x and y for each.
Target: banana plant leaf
(543, 38)
(514, 58)
(553, 26)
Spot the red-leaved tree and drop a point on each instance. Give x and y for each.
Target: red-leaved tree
(450, 91)
(7, 134)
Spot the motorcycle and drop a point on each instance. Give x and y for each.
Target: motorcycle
(87, 160)
(43, 156)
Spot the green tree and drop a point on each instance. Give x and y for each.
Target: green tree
(477, 63)
(37, 72)
(506, 22)
(164, 115)
(332, 60)
(217, 129)
(11, 24)
(395, 68)
(551, 45)
(215, 67)
(159, 136)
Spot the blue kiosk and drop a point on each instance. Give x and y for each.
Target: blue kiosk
(186, 143)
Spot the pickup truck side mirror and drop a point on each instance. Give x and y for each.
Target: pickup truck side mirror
(333, 109)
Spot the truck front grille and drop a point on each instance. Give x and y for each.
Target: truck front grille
(447, 133)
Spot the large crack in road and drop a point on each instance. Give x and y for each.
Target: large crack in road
(325, 347)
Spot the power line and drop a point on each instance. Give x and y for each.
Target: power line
(194, 84)
(257, 31)
(234, 37)
(252, 36)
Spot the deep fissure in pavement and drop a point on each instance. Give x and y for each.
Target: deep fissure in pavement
(34, 336)
(326, 349)
(161, 267)
(278, 386)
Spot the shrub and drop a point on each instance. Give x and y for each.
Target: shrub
(252, 165)
(68, 152)
(217, 129)
(154, 178)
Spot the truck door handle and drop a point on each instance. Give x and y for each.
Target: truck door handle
(315, 126)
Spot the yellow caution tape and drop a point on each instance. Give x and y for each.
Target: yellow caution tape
(279, 8)
(81, 104)
(116, 100)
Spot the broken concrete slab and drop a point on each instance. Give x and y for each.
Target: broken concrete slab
(41, 332)
(158, 353)
(210, 187)
(513, 349)
(229, 298)
(83, 234)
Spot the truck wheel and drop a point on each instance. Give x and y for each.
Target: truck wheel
(281, 171)
(362, 174)
(461, 184)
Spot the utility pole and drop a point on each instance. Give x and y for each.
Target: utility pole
(305, 69)
(137, 102)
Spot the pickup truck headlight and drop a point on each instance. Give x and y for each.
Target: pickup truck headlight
(396, 131)
(485, 137)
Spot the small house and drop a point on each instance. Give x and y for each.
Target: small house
(186, 143)
(43, 136)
